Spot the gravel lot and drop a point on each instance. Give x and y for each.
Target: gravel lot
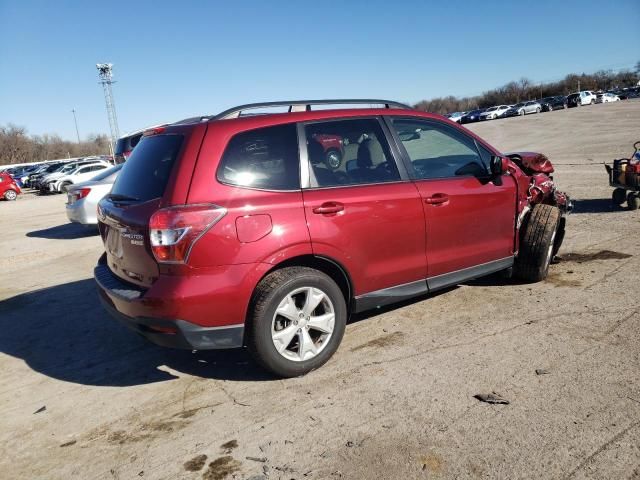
(397, 400)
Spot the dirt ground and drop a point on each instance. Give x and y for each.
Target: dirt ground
(84, 398)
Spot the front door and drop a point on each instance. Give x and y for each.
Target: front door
(362, 210)
(469, 215)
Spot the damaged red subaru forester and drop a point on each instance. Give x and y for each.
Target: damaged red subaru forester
(245, 229)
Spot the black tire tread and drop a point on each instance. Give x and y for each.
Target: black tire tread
(534, 243)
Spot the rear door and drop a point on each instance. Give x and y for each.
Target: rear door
(469, 215)
(136, 194)
(365, 214)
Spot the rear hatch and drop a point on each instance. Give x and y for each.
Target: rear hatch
(149, 180)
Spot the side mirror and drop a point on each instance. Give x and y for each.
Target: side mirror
(498, 166)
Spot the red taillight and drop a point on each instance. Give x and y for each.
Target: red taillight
(174, 230)
(83, 192)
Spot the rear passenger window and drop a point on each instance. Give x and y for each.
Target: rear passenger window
(263, 158)
(349, 152)
(438, 151)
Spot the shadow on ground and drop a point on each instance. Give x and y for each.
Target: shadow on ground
(64, 333)
(596, 205)
(65, 232)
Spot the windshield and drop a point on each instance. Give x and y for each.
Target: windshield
(518, 105)
(492, 109)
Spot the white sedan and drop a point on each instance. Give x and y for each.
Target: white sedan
(494, 112)
(456, 116)
(83, 198)
(79, 174)
(607, 97)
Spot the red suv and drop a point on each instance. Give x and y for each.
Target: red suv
(234, 230)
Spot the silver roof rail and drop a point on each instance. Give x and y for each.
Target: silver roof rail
(304, 105)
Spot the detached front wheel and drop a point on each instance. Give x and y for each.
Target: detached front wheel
(538, 243)
(297, 321)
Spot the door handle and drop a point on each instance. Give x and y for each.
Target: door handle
(329, 208)
(437, 199)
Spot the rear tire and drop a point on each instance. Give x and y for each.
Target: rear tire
(551, 108)
(633, 201)
(537, 109)
(537, 242)
(10, 195)
(619, 196)
(287, 290)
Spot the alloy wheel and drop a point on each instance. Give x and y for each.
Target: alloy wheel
(303, 324)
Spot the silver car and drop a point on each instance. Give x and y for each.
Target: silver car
(83, 198)
(532, 107)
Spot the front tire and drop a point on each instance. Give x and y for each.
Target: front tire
(537, 109)
(296, 322)
(10, 195)
(633, 201)
(551, 108)
(537, 242)
(333, 159)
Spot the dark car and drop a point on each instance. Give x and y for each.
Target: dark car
(550, 104)
(472, 116)
(125, 145)
(233, 230)
(515, 110)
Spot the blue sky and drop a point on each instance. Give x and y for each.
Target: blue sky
(178, 59)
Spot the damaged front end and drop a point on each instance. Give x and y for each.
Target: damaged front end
(533, 174)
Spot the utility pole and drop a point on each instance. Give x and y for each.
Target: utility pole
(75, 120)
(578, 85)
(106, 79)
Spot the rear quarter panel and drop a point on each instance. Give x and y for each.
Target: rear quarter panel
(260, 226)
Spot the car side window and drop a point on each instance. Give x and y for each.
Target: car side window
(262, 158)
(438, 151)
(349, 152)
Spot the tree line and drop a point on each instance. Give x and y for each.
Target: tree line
(16, 146)
(524, 90)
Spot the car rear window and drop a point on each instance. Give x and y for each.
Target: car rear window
(145, 175)
(262, 158)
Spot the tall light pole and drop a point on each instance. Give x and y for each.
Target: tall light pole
(106, 79)
(75, 120)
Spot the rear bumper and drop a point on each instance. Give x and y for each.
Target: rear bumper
(177, 333)
(81, 212)
(198, 311)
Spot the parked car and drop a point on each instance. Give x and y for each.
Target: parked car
(585, 97)
(83, 198)
(472, 116)
(65, 169)
(33, 176)
(607, 97)
(514, 110)
(494, 112)
(456, 116)
(227, 231)
(549, 104)
(126, 144)
(9, 188)
(81, 173)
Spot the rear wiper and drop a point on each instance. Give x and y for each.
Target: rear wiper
(125, 198)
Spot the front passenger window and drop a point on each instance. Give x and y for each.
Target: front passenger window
(438, 151)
